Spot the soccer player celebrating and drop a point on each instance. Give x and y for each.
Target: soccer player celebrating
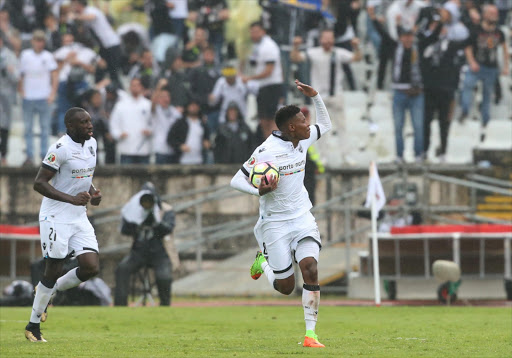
(64, 227)
(286, 228)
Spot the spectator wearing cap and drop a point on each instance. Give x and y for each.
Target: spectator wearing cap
(234, 140)
(266, 60)
(130, 125)
(75, 61)
(163, 115)
(9, 80)
(326, 75)
(202, 80)
(109, 41)
(189, 136)
(37, 87)
(231, 88)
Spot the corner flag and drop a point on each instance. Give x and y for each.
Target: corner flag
(376, 199)
(375, 190)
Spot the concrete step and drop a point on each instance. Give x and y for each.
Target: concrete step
(495, 207)
(495, 215)
(498, 199)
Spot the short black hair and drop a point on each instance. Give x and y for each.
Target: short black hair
(70, 114)
(257, 23)
(82, 2)
(284, 114)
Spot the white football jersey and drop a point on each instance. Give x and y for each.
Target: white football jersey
(74, 166)
(290, 200)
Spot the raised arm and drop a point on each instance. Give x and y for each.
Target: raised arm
(323, 121)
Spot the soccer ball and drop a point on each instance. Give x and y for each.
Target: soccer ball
(263, 172)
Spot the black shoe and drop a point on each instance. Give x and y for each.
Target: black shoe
(33, 333)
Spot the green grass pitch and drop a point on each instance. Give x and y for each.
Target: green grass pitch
(260, 331)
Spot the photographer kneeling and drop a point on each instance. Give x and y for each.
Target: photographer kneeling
(148, 221)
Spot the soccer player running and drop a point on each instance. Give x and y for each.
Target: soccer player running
(286, 229)
(64, 227)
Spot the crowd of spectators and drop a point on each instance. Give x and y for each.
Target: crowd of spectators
(173, 91)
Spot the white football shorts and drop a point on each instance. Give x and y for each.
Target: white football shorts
(58, 240)
(280, 241)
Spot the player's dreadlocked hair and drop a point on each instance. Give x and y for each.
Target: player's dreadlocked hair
(70, 114)
(284, 114)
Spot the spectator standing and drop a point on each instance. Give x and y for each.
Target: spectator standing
(95, 106)
(9, 80)
(148, 221)
(402, 13)
(202, 81)
(11, 35)
(191, 55)
(163, 118)
(407, 89)
(314, 165)
(75, 61)
(130, 125)
(234, 141)
(211, 15)
(178, 11)
(326, 75)
(441, 62)
(178, 84)
(189, 136)
(266, 60)
(345, 32)
(146, 67)
(231, 88)
(27, 16)
(109, 41)
(482, 58)
(38, 87)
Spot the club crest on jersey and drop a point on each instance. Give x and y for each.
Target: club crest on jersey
(51, 158)
(251, 162)
(92, 151)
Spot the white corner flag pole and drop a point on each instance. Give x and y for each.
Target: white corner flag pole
(375, 199)
(375, 247)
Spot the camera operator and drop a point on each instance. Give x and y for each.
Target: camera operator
(148, 220)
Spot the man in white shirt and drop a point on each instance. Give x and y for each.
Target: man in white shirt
(130, 125)
(286, 229)
(407, 10)
(163, 118)
(65, 229)
(230, 88)
(75, 61)
(110, 43)
(326, 75)
(266, 60)
(38, 87)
